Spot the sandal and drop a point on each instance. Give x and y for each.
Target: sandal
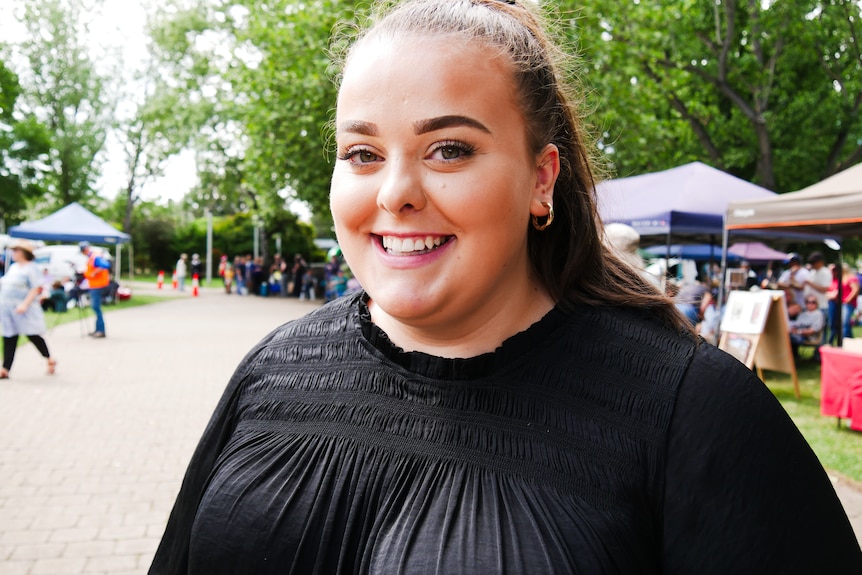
(4, 373)
(52, 366)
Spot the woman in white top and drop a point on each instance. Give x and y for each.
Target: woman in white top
(20, 312)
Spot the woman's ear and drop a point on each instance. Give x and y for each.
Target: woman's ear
(547, 171)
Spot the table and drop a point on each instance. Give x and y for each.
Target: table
(841, 385)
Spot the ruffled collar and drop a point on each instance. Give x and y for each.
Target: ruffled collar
(435, 367)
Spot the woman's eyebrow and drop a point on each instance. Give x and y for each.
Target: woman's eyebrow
(359, 127)
(431, 124)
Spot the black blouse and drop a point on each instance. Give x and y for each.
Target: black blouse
(594, 442)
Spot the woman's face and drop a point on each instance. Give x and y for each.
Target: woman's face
(434, 186)
(18, 256)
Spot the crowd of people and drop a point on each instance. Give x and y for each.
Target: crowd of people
(817, 309)
(248, 275)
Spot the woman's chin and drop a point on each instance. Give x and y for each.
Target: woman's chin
(405, 306)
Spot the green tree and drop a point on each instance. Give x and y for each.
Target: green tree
(151, 136)
(24, 146)
(63, 89)
(268, 76)
(289, 95)
(769, 91)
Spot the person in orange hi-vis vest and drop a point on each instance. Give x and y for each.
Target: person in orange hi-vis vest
(98, 277)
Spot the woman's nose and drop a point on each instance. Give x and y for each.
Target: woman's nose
(401, 191)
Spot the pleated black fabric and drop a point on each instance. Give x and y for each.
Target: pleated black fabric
(594, 442)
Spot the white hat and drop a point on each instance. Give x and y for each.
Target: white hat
(624, 240)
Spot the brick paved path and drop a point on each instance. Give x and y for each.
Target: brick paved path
(92, 458)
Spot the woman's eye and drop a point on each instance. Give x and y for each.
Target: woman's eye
(452, 151)
(359, 156)
(365, 157)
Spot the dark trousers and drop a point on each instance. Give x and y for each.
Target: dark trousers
(10, 344)
(96, 295)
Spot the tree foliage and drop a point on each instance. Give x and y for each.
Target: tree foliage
(63, 89)
(266, 71)
(152, 135)
(769, 91)
(24, 145)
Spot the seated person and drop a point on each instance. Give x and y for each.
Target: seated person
(54, 297)
(808, 326)
(58, 296)
(793, 307)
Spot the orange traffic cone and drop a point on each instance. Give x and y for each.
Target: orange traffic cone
(174, 281)
(195, 285)
(160, 280)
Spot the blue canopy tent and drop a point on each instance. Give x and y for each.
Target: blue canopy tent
(686, 204)
(73, 223)
(697, 252)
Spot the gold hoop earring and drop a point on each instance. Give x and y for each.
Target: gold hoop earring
(550, 218)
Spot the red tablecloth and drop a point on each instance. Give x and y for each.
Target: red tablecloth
(841, 385)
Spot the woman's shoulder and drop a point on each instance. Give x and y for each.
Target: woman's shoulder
(624, 352)
(632, 327)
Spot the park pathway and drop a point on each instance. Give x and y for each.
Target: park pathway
(91, 458)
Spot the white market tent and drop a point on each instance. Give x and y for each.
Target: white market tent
(830, 208)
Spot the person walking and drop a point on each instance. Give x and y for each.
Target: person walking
(197, 267)
(298, 272)
(98, 276)
(225, 270)
(182, 271)
(20, 312)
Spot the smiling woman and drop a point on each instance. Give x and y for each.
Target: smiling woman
(445, 156)
(506, 396)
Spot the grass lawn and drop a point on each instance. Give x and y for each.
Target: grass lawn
(53, 319)
(839, 448)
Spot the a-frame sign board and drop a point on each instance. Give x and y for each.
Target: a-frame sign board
(755, 329)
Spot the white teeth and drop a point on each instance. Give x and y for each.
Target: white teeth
(408, 245)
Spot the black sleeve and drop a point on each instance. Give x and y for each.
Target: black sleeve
(744, 492)
(173, 553)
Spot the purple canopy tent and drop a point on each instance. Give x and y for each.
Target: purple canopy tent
(756, 252)
(687, 203)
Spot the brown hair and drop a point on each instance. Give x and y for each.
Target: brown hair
(569, 256)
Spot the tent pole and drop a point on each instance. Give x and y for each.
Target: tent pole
(724, 239)
(667, 259)
(837, 321)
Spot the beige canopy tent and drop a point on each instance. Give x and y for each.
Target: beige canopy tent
(830, 208)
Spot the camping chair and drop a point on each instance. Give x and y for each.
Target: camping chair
(59, 300)
(814, 343)
(110, 295)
